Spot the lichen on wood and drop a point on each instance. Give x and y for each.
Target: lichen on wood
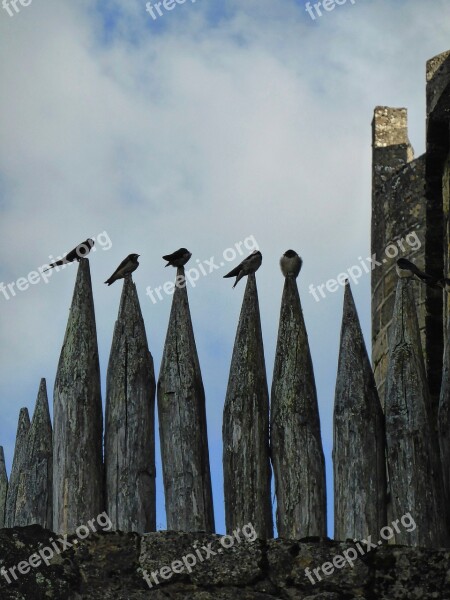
(130, 421)
(246, 463)
(182, 423)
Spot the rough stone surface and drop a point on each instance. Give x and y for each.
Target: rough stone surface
(398, 211)
(246, 465)
(77, 415)
(296, 444)
(182, 423)
(3, 487)
(413, 196)
(359, 437)
(110, 566)
(414, 468)
(438, 78)
(438, 170)
(130, 421)
(19, 460)
(35, 491)
(437, 213)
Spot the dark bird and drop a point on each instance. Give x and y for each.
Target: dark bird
(126, 267)
(77, 254)
(178, 258)
(291, 263)
(405, 268)
(248, 266)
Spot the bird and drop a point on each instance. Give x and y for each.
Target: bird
(126, 267)
(248, 266)
(291, 263)
(178, 258)
(77, 254)
(405, 268)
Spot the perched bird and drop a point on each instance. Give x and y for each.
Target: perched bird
(291, 263)
(178, 258)
(405, 268)
(125, 268)
(249, 265)
(77, 253)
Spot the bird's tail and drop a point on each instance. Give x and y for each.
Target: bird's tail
(233, 273)
(428, 279)
(240, 275)
(110, 281)
(58, 263)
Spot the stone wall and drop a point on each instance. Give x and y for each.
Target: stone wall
(398, 209)
(110, 566)
(437, 252)
(412, 195)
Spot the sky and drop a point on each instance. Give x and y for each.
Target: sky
(212, 124)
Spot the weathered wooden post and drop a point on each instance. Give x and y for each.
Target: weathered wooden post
(130, 421)
(444, 422)
(19, 461)
(414, 469)
(246, 463)
(3, 487)
(35, 490)
(359, 451)
(296, 444)
(182, 423)
(77, 416)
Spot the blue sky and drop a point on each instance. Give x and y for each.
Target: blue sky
(215, 122)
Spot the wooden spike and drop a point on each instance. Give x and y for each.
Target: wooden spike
(414, 469)
(246, 462)
(130, 421)
(182, 423)
(35, 491)
(444, 422)
(3, 487)
(77, 412)
(19, 461)
(296, 444)
(359, 458)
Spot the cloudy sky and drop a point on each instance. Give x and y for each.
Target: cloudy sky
(217, 121)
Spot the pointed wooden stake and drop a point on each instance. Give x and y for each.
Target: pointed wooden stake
(3, 488)
(182, 423)
(246, 463)
(35, 491)
(359, 437)
(444, 422)
(78, 421)
(130, 421)
(296, 444)
(414, 469)
(19, 462)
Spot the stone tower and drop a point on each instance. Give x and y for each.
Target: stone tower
(410, 211)
(398, 209)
